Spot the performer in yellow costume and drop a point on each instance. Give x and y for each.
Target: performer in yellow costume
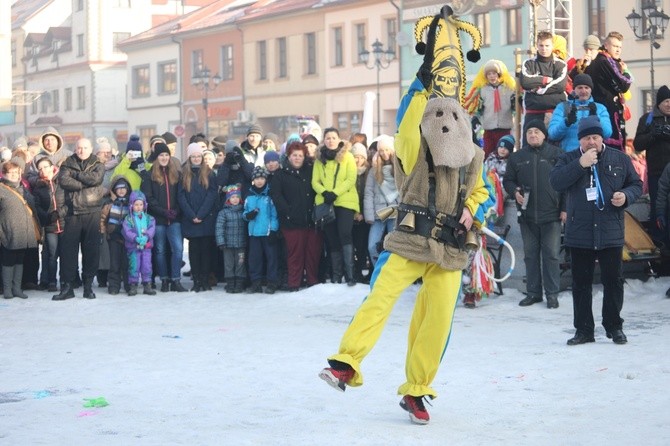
(439, 175)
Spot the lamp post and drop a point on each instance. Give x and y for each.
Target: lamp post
(381, 60)
(205, 82)
(656, 23)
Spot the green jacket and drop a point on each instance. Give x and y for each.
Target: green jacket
(343, 185)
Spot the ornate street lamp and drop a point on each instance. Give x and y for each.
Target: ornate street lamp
(205, 82)
(656, 23)
(381, 60)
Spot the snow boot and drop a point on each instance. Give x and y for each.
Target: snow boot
(16, 282)
(271, 288)
(417, 411)
(148, 290)
(348, 253)
(66, 292)
(177, 286)
(165, 286)
(255, 288)
(88, 288)
(336, 264)
(7, 279)
(239, 285)
(132, 291)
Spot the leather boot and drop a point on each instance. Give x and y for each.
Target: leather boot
(66, 292)
(336, 264)
(16, 283)
(165, 286)
(88, 288)
(148, 290)
(196, 283)
(7, 279)
(348, 253)
(176, 286)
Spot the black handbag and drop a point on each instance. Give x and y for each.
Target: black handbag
(323, 214)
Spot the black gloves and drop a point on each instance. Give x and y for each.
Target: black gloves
(53, 216)
(251, 214)
(661, 131)
(273, 237)
(237, 156)
(572, 116)
(329, 197)
(229, 160)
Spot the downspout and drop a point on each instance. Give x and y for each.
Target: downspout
(398, 18)
(244, 96)
(181, 95)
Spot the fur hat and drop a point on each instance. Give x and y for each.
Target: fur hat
(591, 42)
(134, 143)
(583, 79)
(271, 155)
(193, 149)
(169, 138)
(359, 149)
(259, 172)
(159, 148)
(589, 125)
(535, 124)
(662, 94)
(507, 142)
(231, 191)
(444, 115)
(255, 128)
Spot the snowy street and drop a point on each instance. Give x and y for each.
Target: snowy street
(218, 369)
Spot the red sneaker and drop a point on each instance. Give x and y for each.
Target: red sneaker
(417, 411)
(337, 379)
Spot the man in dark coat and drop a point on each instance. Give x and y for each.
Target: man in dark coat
(81, 177)
(540, 215)
(600, 182)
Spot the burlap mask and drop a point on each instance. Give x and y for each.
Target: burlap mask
(446, 130)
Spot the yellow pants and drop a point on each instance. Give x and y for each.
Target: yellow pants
(429, 328)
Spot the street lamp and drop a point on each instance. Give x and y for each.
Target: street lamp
(656, 23)
(381, 60)
(205, 82)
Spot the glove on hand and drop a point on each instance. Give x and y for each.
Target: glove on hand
(237, 156)
(572, 117)
(251, 214)
(172, 214)
(329, 197)
(273, 237)
(53, 216)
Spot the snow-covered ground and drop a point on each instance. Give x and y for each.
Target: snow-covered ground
(218, 369)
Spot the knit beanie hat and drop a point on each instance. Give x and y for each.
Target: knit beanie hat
(219, 142)
(193, 149)
(535, 124)
(169, 138)
(270, 156)
(583, 79)
(156, 139)
(159, 148)
(230, 145)
(359, 149)
(19, 162)
(589, 125)
(20, 143)
(231, 191)
(134, 144)
(259, 172)
(662, 94)
(274, 138)
(591, 42)
(255, 128)
(507, 142)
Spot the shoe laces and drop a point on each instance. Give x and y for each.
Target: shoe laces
(418, 401)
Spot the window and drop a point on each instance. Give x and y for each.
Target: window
(81, 98)
(483, 23)
(80, 5)
(68, 99)
(361, 41)
(391, 34)
(167, 77)
(648, 101)
(596, 18)
(310, 45)
(338, 50)
(226, 62)
(33, 108)
(45, 100)
(13, 53)
(141, 81)
(116, 38)
(513, 22)
(197, 62)
(145, 134)
(80, 45)
(55, 101)
(262, 61)
(281, 58)
(348, 122)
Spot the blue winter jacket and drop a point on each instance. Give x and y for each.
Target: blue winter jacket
(266, 220)
(560, 131)
(588, 227)
(231, 230)
(198, 202)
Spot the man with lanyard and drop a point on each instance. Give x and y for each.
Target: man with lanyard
(600, 182)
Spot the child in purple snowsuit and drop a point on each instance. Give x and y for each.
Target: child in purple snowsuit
(138, 233)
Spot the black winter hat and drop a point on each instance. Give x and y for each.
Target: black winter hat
(589, 125)
(535, 124)
(662, 94)
(169, 138)
(583, 79)
(159, 148)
